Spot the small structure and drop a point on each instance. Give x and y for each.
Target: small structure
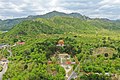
(3, 61)
(63, 58)
(60, 43)
(21, 43)
(68, 62)
(2, 46)
(65, 62)
(64, 55)
(73, 62)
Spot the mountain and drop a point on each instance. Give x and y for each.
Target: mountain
(55, 25)
(61, 25)
(105, 23)
(9, 23)
(56, 13)
(98, 22)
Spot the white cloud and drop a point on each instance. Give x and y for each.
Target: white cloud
(110, 2)
(93, 8)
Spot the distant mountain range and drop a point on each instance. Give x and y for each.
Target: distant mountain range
(9, 23)
(106, 23)
(55, 13)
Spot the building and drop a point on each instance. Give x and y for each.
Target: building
(63, 58)
(73, 62)
(3, 46)
(68, 62)
(21, 43)
(60, 43)
(3, 61)
(65, 62)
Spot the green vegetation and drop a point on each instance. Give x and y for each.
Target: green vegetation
(8, 24)
(95, 77)
(95, 43)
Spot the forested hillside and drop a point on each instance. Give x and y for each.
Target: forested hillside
(9, 23)
(6, 25)
(55, 25)
(33, 48)
(105, 23)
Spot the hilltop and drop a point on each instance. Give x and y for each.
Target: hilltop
(106, 23)
(60, 14)
(9, 23)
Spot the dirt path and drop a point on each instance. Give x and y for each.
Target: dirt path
(5, 67)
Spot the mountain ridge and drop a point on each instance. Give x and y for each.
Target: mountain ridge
(56, 13)
(6, 25)
(9, 23)
(61, 25)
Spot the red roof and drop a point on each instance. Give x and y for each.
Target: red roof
(21, 43)
(68, 62)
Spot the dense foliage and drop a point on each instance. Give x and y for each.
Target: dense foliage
(95, 43)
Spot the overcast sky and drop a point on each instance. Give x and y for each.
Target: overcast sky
(92, 8)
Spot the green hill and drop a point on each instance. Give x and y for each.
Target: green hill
(9, 23)
(104, 23)
(61, 25)
(6, 25)
(55, 25)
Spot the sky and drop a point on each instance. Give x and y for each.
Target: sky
(92, 8)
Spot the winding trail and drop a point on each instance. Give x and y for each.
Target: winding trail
(5, 67)
(73, 74)
(9, 52)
